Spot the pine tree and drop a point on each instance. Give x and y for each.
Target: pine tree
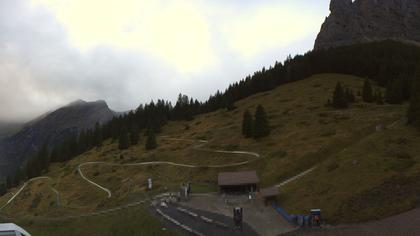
(247, 123)
(19, 176)
(134, 135)
(9, 182)
(151, 140)
(261, 125)
(123, 142)
(367, 92)
(54, 156)
(413, 113)
(230, 103)
(43, 158)
(3, 189)
(394, 92)
(378, 97)
(97, 135)
(350, 98)
(339, 97)
(33, 167)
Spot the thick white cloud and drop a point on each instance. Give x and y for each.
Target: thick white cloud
(131, 51)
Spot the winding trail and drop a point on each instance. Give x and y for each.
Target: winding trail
(196, 147)
(57, 194)
(298, 176)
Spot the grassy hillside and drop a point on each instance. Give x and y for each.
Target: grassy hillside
(135, 221)
(352, 158)
(376, 177)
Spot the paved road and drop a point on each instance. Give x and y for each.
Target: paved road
(199, 225)
(263, 219)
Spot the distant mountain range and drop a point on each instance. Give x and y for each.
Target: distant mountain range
(363, 21)
(51, 129)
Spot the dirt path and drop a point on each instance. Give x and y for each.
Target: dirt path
(199, 147)
(57, 194)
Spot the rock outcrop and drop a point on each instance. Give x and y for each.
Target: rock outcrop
(51, 128)
(364, 21)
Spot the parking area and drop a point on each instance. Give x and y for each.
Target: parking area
(264, 220)
(189, 221)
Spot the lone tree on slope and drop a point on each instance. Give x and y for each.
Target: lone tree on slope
(340, 97)
(367, 92)
(123, 140)
(134, 135)
(247, 123)
(261, 125)
(151, 140)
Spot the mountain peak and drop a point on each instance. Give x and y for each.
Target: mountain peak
(77, 102)
(80, 102)
(363, 21)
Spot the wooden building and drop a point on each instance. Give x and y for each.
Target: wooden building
(238, 182)
(269, 195)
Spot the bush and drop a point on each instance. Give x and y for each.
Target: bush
(332, 166)
(328, 132)
(402, 165)
(36, 201)
(279, 153)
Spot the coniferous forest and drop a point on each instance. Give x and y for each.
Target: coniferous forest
(389, 64)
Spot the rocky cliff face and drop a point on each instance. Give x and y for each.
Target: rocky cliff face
(363, 21)
(52, 129)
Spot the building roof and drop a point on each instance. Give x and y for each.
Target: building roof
(13, 227)
(269, 192)
(238, 178)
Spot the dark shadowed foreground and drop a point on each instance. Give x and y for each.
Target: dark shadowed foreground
(407, 223)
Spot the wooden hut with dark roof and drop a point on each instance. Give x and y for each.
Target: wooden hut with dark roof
(242, 182)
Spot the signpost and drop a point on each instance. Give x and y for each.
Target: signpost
(149, 184)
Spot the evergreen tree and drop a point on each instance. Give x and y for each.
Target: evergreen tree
(350, 96)
(378, 97)
(44, 158)
(98, 135)
(19, 176)
(134, 135)
(394, 92)
(3, 189)
(54, 155)
(33, 167)
(9, 182)
(123, 142)
(339, 97)
(247, 123)
(230, 103)
(261, 125)
(151, 140)
(413, 113)
(367, 92)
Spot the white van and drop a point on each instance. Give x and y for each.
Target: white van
(10, 229)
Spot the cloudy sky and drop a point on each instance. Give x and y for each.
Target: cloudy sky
(128, 52)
